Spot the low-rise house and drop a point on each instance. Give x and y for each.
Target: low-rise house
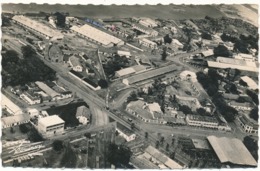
(15, 120)
(66, 94)
(241, 106)
(230, 96)
(33, 112)
(83, 115)
(154, 108)
(75, 64)
(147, 22)
(248, 125)
(30, 98)
(146, 30)
(207, 53)
(245, 57)
(49, 91)
(127, 54)
(10, 107)
(202, 121)
(126, 133)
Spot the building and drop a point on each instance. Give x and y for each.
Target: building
(15, 120)
(10, 107)
(153, 108)
(241, 106)
(97, 36)
(176, 42)
(83, 115)
(33, 112)
(230, 96)
(231, 151)
(222, 62)
(245, 57)
(147, 22)
(146, 30)
(248, 125)
(202, 121)
(30, 98)
(37, 27)
(250, 82)
(160, 159)
(49, 91)
(207, 53)
(148, 74)
(200, 144)
(50, 125)
(124, 53)
(126, 133)
(125, 71)
(74, 62)
(188, 75)
(147, 43)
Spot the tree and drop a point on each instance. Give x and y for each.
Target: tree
(201, 111)
(167, 147)
(252, 146)
(87, 135)
(118, 154)
(57, 145)
(132, 126)
(146, 135)
(221, 50)
(10, 56)
(34, 136)
(173, 140)
(185, 109)
(103, 83)
(254, 114)
(116, 133)
(23, 128)
(162, 140)
(167, 39)
(164, 54)
(157, 144)
(132, 97)
(28, 51)
(12, 130)
(69, 158)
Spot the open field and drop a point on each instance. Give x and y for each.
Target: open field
(101, 11)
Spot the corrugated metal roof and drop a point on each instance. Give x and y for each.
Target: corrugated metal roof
(15, 119)
(250, 82)
(7, 103)
(46, 89)
(231, 150)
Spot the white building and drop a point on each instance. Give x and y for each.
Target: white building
(245, 57)
(10, 107)
(248, 125)
(49, 91)
(202, 121)
(250, 82)
(37, 27)
(33, 112)
(97, 36)
(125, 71)
(241, 106)
(148, 43)
(147, 22)
(126, 133)
(50, 125)
(124, 53)
(74, 62)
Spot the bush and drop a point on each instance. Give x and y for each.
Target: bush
(103, 83)
(23, 128)
(57, 145)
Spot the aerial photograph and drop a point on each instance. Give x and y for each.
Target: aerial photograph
(129, 87)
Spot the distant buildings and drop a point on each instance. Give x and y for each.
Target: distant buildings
(241, 106)
(222, 62)
(83, 115)
(10, 107)
(148, 75)
(97, 36)
(231, 151)
(126, 133)
(147, 22)
(202, 121)
(130, 70)
(127, 54)
(37, 27)
(75, 64)
(245, 57)
(144, 29)
(30, 98)
(50, 125)
(14, 120)
(207, 53)
(147, 43)
(49, 91)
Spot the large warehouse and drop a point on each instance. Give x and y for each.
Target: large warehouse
(10, 107)
(97, 36)
(231, 150)
(38, 27)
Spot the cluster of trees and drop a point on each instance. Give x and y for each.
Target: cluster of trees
(57, 145)
(116, 63)
(5, 21)
(222, 50)
(103, 83)
(252, 145)
(61, 19)
(69, 158)
(118, 154)
(19, 71)
(253, 95)
(254, 114)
